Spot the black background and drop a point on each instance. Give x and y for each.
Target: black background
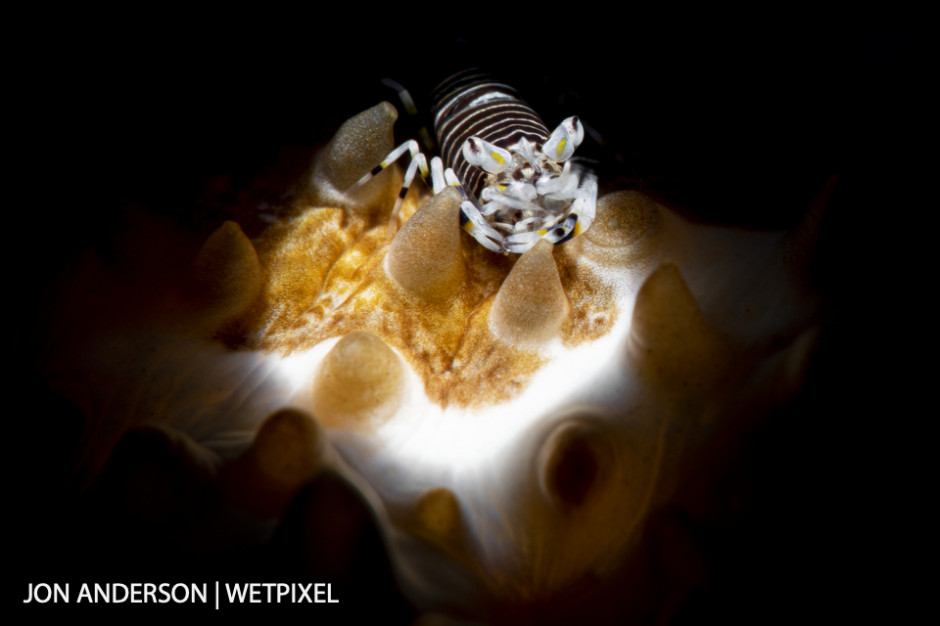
(733, 116)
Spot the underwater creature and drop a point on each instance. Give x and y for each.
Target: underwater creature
(513, 421)
(521, 184)
(530, 437)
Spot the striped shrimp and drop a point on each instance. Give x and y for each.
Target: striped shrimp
(517, 181)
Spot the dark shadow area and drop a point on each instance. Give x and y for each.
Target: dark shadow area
(735, 119)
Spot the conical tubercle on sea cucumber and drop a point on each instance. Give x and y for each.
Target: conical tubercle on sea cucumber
(512, 420)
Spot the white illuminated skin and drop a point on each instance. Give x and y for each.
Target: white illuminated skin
(476, 453)
(698, 313)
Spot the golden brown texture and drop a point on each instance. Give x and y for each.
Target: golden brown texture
(429, 296)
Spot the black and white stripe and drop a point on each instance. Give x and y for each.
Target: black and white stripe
(472, 104)
(516, 179)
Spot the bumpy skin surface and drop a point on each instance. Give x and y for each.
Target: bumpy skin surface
(515, 421)
(181, 370)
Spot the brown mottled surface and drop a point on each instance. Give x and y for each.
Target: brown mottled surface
(324, 277)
